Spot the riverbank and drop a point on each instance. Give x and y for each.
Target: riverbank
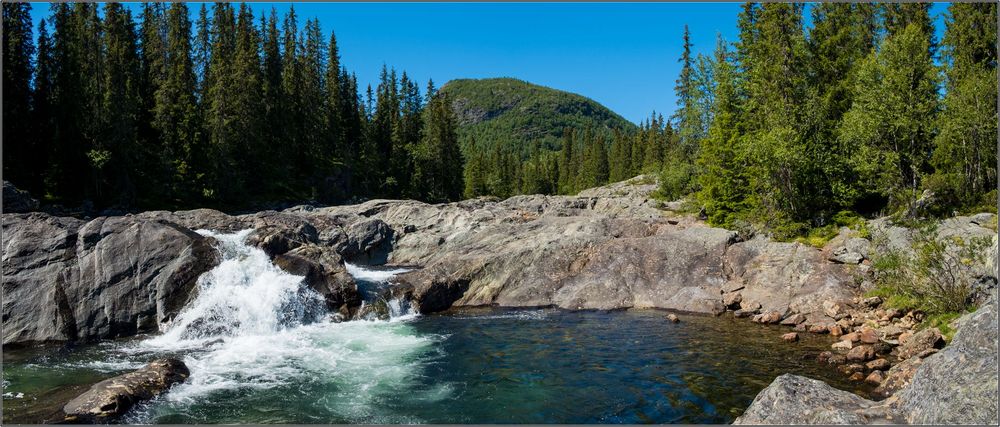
(610, 248)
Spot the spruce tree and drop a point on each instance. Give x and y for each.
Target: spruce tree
(965, 151)
(890, 124)
(121, 104)
(20, 144)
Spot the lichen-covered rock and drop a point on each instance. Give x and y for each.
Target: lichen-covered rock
(111, 398)
(791, 399)
(957, 385)
(926, 339)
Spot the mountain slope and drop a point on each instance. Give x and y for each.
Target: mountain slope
(515, 112)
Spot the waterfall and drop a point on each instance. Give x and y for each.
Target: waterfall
(253, 326)
(375, 284)
(245, 295)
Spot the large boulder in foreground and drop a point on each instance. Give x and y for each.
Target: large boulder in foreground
(957, 385)
(113, 397)
(791, 399)
(69, 280)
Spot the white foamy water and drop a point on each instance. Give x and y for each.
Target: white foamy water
(253, 326)
(373, 275)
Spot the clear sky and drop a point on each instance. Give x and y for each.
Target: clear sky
(623, 55)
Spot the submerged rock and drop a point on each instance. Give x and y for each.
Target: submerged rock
(112, 397)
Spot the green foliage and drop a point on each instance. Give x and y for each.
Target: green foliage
(937, 276)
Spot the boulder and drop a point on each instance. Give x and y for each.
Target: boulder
(791, 399)
(324, 272)
(276, 233)
(958, 385)
(673, 318)
(790, 337)
(111, 398)
(897, 377)
(368, 241)
(16, 200)
(926, 339)
(861, 353)
(69, 280)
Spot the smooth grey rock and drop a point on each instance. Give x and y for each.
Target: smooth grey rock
(66, 280)
(113, 397)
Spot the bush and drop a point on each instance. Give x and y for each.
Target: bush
(938, 276)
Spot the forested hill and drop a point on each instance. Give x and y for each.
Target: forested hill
(520, 113)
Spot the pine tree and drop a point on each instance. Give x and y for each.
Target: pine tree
(688, 115)
(18, 49)
(41, 115)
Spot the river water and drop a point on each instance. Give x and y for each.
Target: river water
(262, 350)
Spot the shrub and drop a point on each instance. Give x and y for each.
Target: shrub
(937, 276)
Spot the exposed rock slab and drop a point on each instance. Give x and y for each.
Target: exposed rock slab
(70, 280)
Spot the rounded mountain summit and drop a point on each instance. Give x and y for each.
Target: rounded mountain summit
(518, 113)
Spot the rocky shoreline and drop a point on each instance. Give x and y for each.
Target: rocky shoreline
(614, 247)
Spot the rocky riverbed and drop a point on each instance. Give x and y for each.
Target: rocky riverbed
(615, 247)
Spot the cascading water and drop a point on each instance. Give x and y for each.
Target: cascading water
(253, 326)
(245, 295)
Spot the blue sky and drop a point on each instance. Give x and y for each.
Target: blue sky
(623, 55)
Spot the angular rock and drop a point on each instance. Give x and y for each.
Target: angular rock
(769, 317)
(368, 241)
(113, 397)
(861, 353)
(878, 365)
(790, 337)
(324, 272)
(794, 319)
(842, 345)
(868, 336)
(875, 378)
(926, 339)
(277, 233)
(732, 300)
(673, 318)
